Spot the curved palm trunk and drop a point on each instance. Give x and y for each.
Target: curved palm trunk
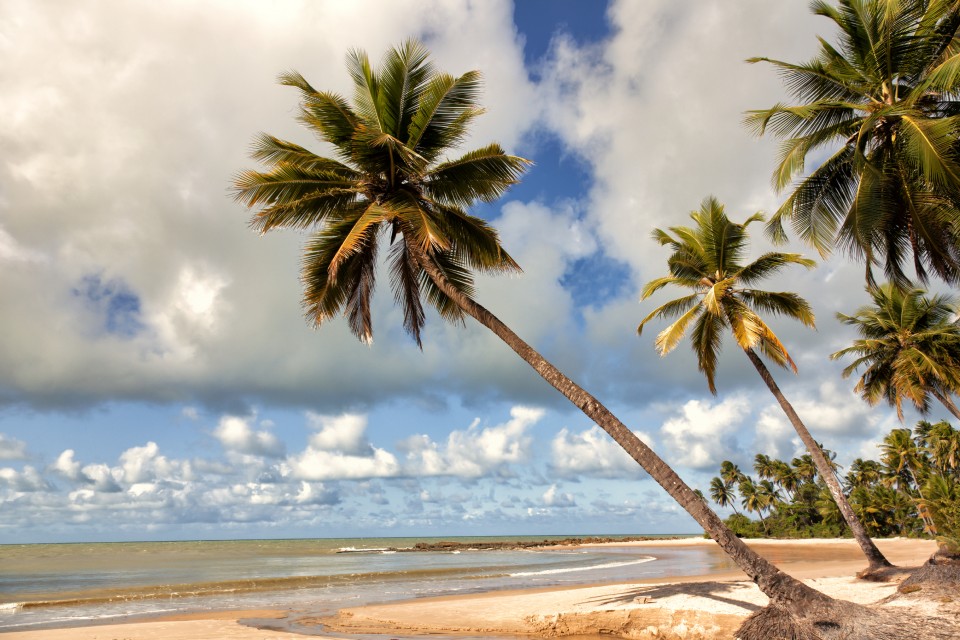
(777, 585)
(948, 403)
(874, 556)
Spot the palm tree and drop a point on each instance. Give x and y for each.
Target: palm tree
(785, 476)
(909, 347)
(765, 466)
(753, 499)
(863, 473)
(391, 181)
(731, 473)
(707, 259)
(723, 493)
(804, 467)
(942, 444)
(904, 461)
(882, 104)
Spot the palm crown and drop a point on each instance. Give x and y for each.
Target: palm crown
(390, 178)
(886, 95)
(707, 259)
(909, 348)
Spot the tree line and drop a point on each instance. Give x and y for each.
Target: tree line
(913, 490)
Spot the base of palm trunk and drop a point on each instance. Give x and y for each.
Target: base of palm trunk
(885, 574)
(840, 620)
(940, 575)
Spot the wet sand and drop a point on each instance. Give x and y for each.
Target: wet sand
(710, 606)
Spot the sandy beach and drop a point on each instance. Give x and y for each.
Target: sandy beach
(709, 606)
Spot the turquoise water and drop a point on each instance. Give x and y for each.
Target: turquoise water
(47, 585)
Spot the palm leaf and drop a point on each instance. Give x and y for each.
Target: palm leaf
(483, 174)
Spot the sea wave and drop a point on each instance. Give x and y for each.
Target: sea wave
(609, 565)
(233, 587)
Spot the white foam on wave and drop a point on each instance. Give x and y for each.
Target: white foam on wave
(609, 565)
(10, 607)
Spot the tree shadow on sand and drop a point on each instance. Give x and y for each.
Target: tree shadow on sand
(710, 590)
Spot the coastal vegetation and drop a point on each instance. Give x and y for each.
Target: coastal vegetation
(912, 490)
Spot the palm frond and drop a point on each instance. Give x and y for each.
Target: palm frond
(404, 74)
(446, 108)
(780, 303)
(706, 340)
(769, 264)
(405, 283)
(669, 310)
(483, 174)
(669, 338)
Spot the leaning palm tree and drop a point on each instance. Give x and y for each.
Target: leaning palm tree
(881, 103)
(707, 259)
(723, 493)
(392, 184)
(909, 347)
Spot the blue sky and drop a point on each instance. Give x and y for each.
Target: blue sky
(157, 380)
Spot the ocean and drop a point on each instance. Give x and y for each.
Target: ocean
(56, 585)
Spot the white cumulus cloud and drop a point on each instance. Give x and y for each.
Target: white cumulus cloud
(593, 453)
(474, 452)
(703, 435)
(340, 450)
(237, 434)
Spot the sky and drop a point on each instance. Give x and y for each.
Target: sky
(158, 380)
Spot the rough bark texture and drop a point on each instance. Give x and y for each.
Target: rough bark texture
(840, 620)
(789, 593)
(876, 559)
(940, 575)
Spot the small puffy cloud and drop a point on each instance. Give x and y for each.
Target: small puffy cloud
(553, 498)
(12, 449)
(27, 481)
(704, 434)
(143, 464)
(236, 434)
(315, 493)
(340, 451)
(343, 433)
(68, 467)
(593, 453)
(475, 452)
(102, 478)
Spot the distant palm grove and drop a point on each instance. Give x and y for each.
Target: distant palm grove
(912, 490)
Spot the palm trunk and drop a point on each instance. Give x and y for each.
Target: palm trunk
(921, 511)
(874, 556)
(763, 522)
(948, 403)
(781, 588)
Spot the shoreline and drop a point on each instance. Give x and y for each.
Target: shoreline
(714, 603)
